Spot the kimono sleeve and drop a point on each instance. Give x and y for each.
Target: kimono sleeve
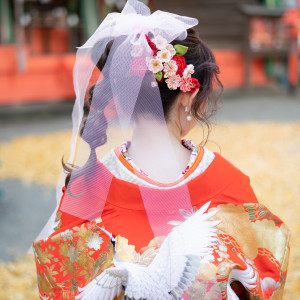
(252, 238)
(71, 258)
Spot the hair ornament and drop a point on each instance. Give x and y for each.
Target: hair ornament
(168, 63)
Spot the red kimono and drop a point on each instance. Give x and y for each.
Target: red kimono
(249, 236)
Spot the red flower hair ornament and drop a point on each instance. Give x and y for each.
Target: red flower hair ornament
(168, 63)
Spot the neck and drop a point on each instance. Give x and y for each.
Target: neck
(157, 150)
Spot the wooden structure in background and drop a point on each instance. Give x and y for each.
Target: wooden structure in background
(224, 28)
(281, 51)
(221, 25)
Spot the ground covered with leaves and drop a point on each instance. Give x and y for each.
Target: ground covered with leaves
(267, 152)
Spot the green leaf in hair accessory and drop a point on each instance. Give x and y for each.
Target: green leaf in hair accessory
(180, 49)
(158, 75)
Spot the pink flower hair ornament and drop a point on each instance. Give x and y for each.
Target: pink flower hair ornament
(168, 63)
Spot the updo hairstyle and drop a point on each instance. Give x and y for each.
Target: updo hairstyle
(206, 71)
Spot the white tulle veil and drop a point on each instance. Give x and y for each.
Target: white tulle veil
(124, 84)
(123, 81)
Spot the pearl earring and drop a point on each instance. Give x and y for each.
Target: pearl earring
(189, 117)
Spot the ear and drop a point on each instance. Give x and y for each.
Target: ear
(190, 99)
(186, 99)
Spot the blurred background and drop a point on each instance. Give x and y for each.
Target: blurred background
(257, 127)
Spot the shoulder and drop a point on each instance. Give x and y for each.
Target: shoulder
(224, 182)
(238, 187)
(223, 165)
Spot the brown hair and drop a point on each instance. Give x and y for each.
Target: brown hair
(206, 71)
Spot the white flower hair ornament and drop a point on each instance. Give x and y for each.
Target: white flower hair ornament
(168, 63)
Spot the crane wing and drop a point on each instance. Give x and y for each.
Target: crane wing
(177, 263)
(171, 272)
(107, 285)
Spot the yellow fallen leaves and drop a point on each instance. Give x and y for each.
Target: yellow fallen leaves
(18, 279)
(34, 158)
(268, 152)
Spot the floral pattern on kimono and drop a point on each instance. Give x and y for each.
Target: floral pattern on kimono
(68, 258)
(72, 258)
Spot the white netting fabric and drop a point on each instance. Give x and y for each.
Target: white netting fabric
(127, 86)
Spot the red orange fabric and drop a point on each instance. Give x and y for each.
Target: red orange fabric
(248, 236)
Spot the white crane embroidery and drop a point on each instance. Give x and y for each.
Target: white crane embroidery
(171, 272)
